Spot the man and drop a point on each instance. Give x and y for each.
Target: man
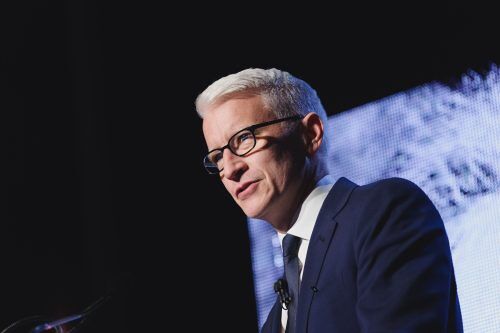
(372, 258)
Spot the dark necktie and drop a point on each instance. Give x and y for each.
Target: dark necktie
(291, 245)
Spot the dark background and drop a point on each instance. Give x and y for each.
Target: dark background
(103, 187)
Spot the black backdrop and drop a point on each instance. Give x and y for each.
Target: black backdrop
(103, 185)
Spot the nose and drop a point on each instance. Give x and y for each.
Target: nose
(234, 166)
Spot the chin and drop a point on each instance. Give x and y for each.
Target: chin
(253, 211)
(255, 207)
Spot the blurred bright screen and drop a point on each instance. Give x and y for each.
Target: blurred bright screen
(444, 138)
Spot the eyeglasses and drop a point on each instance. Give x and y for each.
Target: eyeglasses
(239, 144)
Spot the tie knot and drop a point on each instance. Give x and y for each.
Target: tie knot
(291, 245)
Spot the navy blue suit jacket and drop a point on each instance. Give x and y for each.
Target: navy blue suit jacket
(378, 261)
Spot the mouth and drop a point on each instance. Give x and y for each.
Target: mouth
(246, 189)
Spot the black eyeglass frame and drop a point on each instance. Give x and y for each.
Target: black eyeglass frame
(251, 129)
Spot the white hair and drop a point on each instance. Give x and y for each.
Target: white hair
(282, 93)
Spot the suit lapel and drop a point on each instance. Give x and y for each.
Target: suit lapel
(323, 232)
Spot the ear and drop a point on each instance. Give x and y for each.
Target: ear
(313, 132)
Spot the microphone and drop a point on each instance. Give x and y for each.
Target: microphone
(116, 287)
(281, 287)
(82, 317)
(43, 324)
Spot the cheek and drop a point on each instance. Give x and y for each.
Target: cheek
(278, 171)
(227, 186)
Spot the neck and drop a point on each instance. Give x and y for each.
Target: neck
(288, 216)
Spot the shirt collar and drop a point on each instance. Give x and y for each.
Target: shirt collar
(309, 211)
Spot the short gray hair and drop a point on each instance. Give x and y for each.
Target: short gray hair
(282, 93)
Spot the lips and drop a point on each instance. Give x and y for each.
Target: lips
(244, 188)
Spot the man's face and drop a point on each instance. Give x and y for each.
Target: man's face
(265, 182)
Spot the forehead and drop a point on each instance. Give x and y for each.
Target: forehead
(222, 120)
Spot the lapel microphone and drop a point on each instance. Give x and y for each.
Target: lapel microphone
(281, 287)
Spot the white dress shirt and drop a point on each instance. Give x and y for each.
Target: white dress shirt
(304, 226)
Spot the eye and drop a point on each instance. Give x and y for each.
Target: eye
(243, 137)
(242, 142)
(216, 157)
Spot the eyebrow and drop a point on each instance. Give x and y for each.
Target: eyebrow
(230, 136)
